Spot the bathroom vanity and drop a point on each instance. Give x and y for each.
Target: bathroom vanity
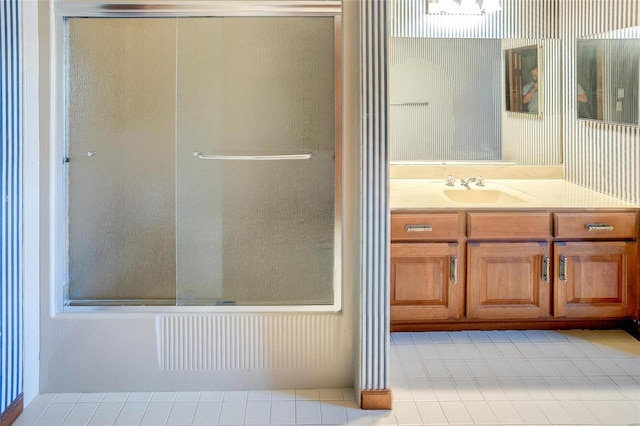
(511, 254)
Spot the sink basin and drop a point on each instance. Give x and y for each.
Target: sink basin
(483, 196)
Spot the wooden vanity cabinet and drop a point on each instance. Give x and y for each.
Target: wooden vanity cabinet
(427, 281)
(595, 278)
(533, 269)
(508, 266)
(508, 280)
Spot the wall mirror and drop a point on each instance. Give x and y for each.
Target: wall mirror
(447, 102)
(607, 77)
(523, 80)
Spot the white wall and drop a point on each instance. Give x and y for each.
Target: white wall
(31, 181)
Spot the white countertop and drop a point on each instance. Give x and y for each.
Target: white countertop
(515, 193)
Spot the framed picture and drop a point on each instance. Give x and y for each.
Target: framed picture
(523, 80)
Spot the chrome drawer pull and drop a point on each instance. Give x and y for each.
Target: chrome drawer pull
(563, 268)
(592, 227)
(546, 269)
(418, 228)
(453, 275)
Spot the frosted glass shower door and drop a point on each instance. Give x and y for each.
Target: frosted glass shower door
(253, 230)
(120, 101)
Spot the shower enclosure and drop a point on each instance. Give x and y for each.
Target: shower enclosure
(202, 161)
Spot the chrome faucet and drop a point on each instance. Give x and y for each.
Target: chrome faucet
(479, 180)
(449, 180)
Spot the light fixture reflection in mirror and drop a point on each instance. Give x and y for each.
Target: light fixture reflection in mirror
(462, 7)
(490, 6)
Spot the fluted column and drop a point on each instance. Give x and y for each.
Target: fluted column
(375, 308)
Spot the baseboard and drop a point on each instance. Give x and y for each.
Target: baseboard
(375, 399)
(8, 416)
(633, 328)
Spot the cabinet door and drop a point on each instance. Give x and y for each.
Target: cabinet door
(508, 281)
(426, 283)
(595, 279)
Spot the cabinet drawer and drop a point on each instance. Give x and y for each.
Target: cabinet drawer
(425, 226)
(509, 226)
(596, 225)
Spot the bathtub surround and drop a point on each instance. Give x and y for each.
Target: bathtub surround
(156, 350)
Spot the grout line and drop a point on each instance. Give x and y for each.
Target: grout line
(508, 371)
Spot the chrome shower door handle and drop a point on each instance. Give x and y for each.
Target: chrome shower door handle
(267, 157)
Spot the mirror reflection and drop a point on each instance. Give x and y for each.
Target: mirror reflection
(607, 77)
(447, 101)
(522, 80)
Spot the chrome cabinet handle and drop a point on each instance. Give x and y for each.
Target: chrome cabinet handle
(563, 268)
(202, 156)
(418, 228)
(546, 269)
(453, 270)
(593, 227)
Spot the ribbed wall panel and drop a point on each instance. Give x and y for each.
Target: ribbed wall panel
(517, 19)
(11, 206)
(246, 342)
(599, 156)
(374, 304)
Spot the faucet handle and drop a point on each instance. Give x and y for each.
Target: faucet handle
(479, 181)
(449, 180)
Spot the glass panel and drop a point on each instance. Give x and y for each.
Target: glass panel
(147, 218)
(607, 77)
(121, 180)
(250, 231)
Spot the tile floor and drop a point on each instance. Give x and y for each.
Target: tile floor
(576, 377)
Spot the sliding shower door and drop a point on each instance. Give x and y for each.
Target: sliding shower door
(255, 160)
(120, 121)
(201, 161)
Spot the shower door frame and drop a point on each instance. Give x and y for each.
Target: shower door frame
(177, 9)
